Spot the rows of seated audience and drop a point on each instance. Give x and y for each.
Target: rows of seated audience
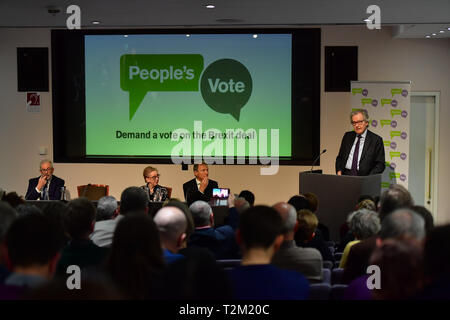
(281, 252)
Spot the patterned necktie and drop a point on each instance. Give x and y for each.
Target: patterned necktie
(45, 192)
(354, 170)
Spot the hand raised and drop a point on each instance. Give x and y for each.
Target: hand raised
(203, 184)
(41, 183)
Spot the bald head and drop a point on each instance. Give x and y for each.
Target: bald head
(172, 224)
(288, 215)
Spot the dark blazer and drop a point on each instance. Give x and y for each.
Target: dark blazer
(54, 193)
(372, 158)
(191, 192)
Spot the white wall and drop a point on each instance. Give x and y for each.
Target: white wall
(425, 62)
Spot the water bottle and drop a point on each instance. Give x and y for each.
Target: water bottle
(63, 193)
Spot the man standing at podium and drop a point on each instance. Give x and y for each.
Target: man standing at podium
(46, 186)
(362, 151)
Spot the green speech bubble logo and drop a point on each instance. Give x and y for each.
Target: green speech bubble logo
(396, 91)
(394, 175)
(356, 90)
(385, 185)
(365, 101)
(226, 86)
(396, 112)
(385, 123)
(395, 134)
(394, 154)
(386, 143)
(140, 73)
(385, 101)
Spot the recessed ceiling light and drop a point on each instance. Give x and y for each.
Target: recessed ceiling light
(427, 37)
(255, 36)
(95, 22)
(442, 31)
(210, 6)
(125, 35)
(448, 28)
(433, 34)
(188, 35)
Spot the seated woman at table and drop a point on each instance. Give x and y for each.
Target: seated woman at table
(154, 190)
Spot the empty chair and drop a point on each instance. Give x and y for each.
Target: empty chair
(326, 276)
(319, 291)
(169, 192)
(336, 276)
(327, 264)
(337, 290)
(93, 191)
(338, 256)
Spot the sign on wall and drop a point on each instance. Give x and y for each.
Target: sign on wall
(388, 106)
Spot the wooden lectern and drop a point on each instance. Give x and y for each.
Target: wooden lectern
(338, 195)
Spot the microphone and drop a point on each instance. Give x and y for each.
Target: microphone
(317, 158)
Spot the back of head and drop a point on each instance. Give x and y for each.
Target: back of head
(80, 215)
(259, 226)
(171, 223)
(133, 199)
(249, 196)
(106, 207)
(437, 253)
(313, 201)
(403, 223)
(307, 224)
(32, 240)
(201, 213)
(183, 207)
(364, 224)
(288, 216)
(401, 265)
(136, 257)
(24, 209)
(366, 204)
(56, 212)
(299, 203)
(7, 216)
(13, 199)
(395, 197)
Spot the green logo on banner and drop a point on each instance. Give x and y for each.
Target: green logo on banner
(386, 143)
(385, 123)
(396, 91)
(365, 101)
(395, 134)
(385, 101)
(394, 154)
(356, 90)
(394, 175)
(396, 112)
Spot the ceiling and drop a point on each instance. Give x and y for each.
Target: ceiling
(410, 18)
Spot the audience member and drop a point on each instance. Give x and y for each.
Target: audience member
(220, 241)
(299, 203)
(80, 251)
(307, 261)
(249, 196)
(199, 188)
(437, 265)
(172, 224)
(306, 236)
(314, 204)
(395, 197)
(154, 191)
(107, 208)
(401, 223)
(32, 251)
(47, 186)
(136, 261)
(364, 224)
(260, 235)
(7, 216)
(13, 199)
(56, 212)
(132, 199)
(426, 215)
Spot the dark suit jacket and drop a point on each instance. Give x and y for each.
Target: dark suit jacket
(372, 157)
(54, 193)
(192, 194)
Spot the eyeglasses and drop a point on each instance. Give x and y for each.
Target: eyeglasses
(47, 170)
(154, 177)
(354, 123)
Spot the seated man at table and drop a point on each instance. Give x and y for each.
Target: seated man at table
(199, 188)
(45, 187)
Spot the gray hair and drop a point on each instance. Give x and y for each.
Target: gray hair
(171, 222)
(7, 216)
(45, 161)
(242, 204)
(106, 207)
(361, 111)
(201, 212)
(403, 222)
(395, 197)
(365, 223)
(288, 215)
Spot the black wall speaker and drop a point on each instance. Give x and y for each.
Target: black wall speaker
(341, 67)
(32, 69)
